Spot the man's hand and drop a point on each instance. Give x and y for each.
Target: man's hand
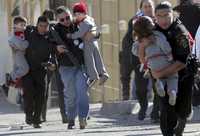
(156, 75)
(69, 35)
(170, 70)
(52, 67)
(60, 49)
(90, 35)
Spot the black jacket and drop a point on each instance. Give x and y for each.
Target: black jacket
(39, 48)
(63, 59)
(178, 38)
(190, 16)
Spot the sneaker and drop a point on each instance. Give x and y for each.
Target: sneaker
(91, 82)
(71, 124)
(82, 123)
(159, 88)
(172, 98)
(103, 78)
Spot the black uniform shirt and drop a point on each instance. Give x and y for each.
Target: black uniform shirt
(178, 38)
(39, 48)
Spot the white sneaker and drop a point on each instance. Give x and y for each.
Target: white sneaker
(172, 97)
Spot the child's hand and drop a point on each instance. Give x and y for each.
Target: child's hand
(61, 48)
(89, 35)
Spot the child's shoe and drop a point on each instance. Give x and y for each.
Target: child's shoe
(103, 78)
(172, 97)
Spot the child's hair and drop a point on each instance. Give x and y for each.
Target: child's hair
(143, 27)
(19, 19)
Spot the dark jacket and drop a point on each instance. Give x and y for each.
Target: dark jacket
(63, 59)
(190, 16)
(178, 38)
(39, 48)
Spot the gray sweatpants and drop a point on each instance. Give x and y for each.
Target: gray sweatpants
(20, 66)
(171, 82)
(93, 60)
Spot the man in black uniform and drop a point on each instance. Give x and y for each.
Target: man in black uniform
(54, 78)
(173, 118)
(189, 14)
(34, 84)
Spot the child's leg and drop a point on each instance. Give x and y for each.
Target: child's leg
(90, 62)
(172, 84)
(21, 67)
(100, 65)
(160, 87)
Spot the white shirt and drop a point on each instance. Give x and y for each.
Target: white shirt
(196, 46)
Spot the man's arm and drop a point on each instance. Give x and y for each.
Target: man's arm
(170, 70)
(83, 29)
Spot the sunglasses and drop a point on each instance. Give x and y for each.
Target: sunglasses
(67, 18)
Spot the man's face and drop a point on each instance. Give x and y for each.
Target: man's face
(164, 18)
(64, 19)
(42, 27)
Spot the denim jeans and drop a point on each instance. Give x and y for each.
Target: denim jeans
(75, 92)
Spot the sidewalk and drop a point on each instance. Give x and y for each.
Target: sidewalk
(98, 125)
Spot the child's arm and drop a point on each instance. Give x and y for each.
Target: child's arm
(19, 46)
(164, 45)
(83, 29)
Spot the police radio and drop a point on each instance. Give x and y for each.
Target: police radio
(192, 63)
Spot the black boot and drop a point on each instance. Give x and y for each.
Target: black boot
(180, 127)
(141, 114)
(65, 119)
(29, 119)
(37, 125)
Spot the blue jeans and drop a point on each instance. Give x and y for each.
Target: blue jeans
(75, 92)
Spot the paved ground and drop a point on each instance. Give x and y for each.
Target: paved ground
(98, 125)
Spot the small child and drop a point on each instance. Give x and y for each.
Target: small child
(18, 45)
(157, 54)
(93, 60)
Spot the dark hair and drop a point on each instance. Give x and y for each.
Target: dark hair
(164, 5)
(19, 19)
(49, 14)
(42, 19)
(62, 9)
(143, 27)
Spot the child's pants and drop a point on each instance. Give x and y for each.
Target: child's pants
(93, 60)
(20, 67)
(171, 82)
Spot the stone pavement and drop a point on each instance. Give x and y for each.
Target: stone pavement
(99, 124)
